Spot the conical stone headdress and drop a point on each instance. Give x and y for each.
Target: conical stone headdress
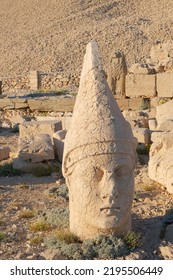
(98, 126)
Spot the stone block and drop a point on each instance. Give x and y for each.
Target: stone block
(6, 104)
(142, 69)
(54, 104)
(165, 84)
(154, 102)
(34, 128)
(140, 85)
(20, 103)
(66, 122)
(143, 135)
(136, 119)
(123, 104)
(27, 166)
(152, 124)
(166, 125)
(164, 112)
(36, 148)
(58, 139)
(4, 153)
(135, 103)
(33, 80)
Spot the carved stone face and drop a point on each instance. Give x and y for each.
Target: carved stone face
(101, 191)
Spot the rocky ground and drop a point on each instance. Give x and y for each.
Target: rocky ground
(25, 199)
(52, 35)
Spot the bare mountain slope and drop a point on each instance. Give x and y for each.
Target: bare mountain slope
(52, 35)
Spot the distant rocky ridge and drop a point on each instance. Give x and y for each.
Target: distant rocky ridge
(52, 35)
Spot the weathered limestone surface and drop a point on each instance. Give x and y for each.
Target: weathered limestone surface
(160, 166)
(165, 84)
(38, 127)
(36, 148)
(116, 74)
(4, 153)
(99, 157)
(164, 112)
(140, 85)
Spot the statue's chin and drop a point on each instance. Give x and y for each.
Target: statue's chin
(107, 223)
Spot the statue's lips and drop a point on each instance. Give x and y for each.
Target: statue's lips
(109, 211)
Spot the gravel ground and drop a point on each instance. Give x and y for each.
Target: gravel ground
(52, 35)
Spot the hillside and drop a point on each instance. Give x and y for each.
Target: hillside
(52, 35)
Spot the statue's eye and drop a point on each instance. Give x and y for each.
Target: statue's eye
(98, 173)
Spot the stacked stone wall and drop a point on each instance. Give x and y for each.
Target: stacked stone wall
(37, 80)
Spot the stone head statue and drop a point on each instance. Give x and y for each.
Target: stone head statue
(99, 157)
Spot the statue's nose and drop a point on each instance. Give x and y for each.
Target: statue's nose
(110, 188)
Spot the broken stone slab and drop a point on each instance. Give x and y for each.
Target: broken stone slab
(65, 120)
(38, 127)
(160, 166)
(164, 112)
(58, 139)
(130, 103)
(4, 153)
(52, 104)
(36, 149)
(140, 85)
(165, 84)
